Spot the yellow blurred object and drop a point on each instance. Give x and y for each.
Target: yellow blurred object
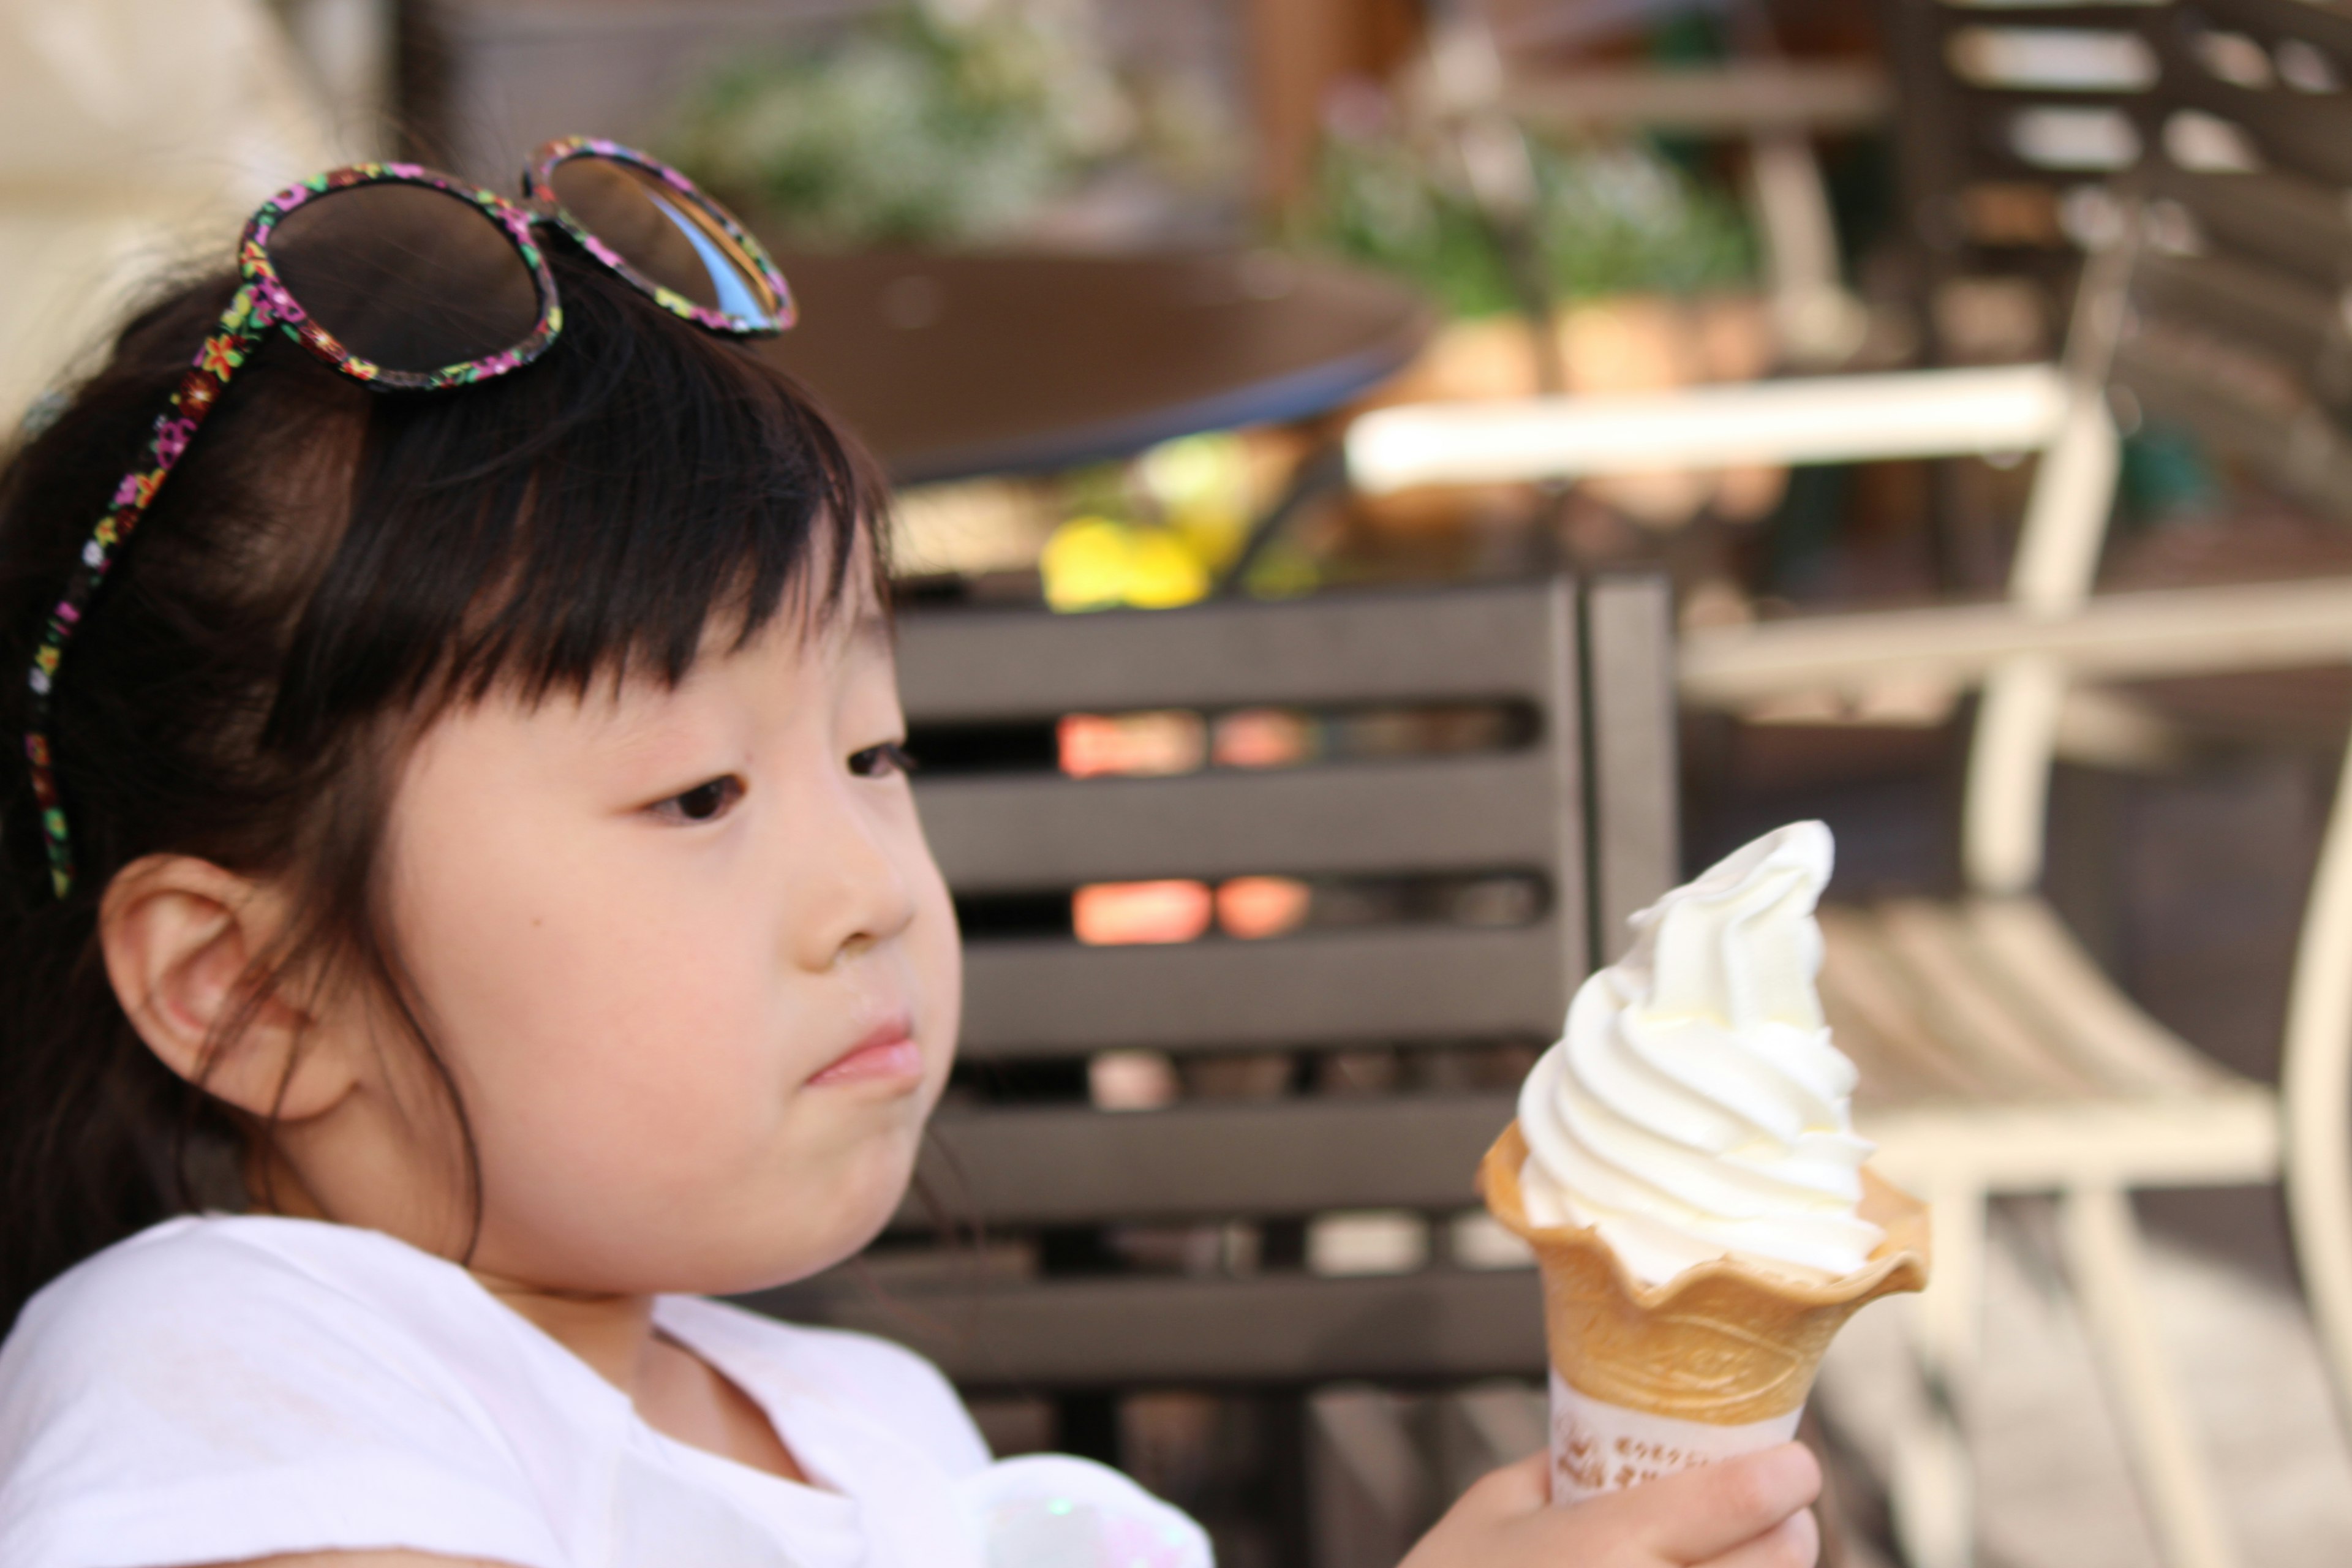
(1162, 572)
(1204, 477)
(1202, 485)
(1097, 563)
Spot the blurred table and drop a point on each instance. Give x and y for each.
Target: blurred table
(951, 367)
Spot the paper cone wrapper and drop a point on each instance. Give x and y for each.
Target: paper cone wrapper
(1650, 1379)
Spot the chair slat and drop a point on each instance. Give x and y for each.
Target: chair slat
(2271, 20)
(1274, 1330)
(2256, 305)
(2092, 1021)
(1629, 681)
(1492, 811)
(1047, 1165)
(1972, 1013)
(2293, 222)
(2295, 447)
(1873, 1016)
(1516, 640)
(1042, 998)
(2305, 132)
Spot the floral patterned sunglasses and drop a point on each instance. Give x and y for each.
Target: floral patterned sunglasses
(338, 263)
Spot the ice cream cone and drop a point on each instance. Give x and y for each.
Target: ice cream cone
(1649, 1379)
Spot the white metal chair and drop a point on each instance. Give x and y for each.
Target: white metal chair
(2005, 1061)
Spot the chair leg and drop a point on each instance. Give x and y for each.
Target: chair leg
(2103, 1250)
(1931, 1482)
(2316, 1084)
(1368, 1481)
(2319, 1207)
(1508, 1419)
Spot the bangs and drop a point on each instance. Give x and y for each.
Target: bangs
(596, 515)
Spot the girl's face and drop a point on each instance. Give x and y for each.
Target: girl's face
(689, 960)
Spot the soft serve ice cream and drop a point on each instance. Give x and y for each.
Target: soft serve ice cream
(1695, 1107)
(1685, 1168)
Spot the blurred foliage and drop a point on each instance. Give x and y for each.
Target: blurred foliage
(934, 122)
(1608, 218)
(2167, 476)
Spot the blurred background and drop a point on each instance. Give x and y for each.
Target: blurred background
(1107, 285)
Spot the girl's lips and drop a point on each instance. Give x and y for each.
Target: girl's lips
(889, 1052)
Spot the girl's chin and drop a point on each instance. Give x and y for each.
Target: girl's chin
(864, 1215)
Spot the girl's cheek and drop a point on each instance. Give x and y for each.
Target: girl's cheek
(940, 955)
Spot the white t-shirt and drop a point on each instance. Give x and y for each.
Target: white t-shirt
(221, 1388)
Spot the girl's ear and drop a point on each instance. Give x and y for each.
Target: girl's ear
(180, 936)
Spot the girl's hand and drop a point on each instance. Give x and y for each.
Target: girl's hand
(1749, 1513)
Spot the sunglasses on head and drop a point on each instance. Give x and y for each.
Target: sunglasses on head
(342, 262)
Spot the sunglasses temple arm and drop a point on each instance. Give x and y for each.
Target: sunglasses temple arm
(226, 348)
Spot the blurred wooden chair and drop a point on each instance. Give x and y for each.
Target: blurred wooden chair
(1540, 804)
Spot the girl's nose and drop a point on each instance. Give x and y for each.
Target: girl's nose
(854, 883)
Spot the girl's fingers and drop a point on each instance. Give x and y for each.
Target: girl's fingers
(1794, 1542)
(1515, 1489)
(1702, 1514)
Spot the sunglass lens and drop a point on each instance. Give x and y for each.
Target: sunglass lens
(669, 235)
(410, 277)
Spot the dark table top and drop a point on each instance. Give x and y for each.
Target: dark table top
(951, 367)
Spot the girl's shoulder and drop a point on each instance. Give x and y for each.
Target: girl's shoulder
(242, 1249)
(249, 1287)
(237, 1386)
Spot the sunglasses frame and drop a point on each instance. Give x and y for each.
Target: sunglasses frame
(539, 193)
(262, 302)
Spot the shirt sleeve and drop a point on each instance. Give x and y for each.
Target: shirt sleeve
(184, 1398)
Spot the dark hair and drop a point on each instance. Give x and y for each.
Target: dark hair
(326, 569)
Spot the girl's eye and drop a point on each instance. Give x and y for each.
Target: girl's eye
(705, 802)
(881, 762)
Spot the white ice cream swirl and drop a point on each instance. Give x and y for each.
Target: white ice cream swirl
(1695, 1107)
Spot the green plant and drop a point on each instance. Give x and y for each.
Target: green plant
(1608, 218)
(933, 123)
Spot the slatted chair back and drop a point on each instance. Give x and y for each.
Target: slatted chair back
(2243, 333)
(2235, 328)
(2004, 115)
(1560, 818)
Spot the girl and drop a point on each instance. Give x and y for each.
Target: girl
(465, 906)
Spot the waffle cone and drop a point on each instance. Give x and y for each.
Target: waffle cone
(1723, 1342)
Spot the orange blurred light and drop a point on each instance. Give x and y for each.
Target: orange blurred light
(1263, 738)
(1252, 907)
(1131, 745)
(1120, 914)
